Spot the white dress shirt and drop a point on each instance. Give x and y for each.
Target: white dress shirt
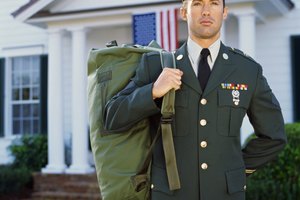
(194, 51)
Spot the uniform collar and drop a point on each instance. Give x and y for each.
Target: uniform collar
(194, 50)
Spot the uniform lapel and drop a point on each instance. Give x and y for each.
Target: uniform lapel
(183, 63)
(222, 68)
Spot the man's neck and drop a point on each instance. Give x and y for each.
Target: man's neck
(205, 43)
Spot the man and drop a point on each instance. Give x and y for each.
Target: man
(211, 102)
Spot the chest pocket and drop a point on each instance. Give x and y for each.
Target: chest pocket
(231, 114)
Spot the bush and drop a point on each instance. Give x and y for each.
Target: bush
(30, 153)
(12, 180)
(280, 179)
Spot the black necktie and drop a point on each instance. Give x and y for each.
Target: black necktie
(203, 68)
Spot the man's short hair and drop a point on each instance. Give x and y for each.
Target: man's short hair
(223, 2)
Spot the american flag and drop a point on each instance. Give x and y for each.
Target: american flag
(161, 26)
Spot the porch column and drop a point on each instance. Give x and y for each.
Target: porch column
(80, 141)
(247, 34)
(56, 154)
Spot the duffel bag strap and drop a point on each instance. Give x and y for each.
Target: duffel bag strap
(168, 111)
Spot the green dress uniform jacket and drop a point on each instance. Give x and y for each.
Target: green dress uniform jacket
(206, 127)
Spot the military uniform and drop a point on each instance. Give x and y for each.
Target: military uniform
(211, 162)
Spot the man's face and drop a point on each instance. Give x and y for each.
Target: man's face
(204, 18)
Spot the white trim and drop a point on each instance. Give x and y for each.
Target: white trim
(37, 6)
(26, 50)
(280, 6)
(7, 100)
(104, 13)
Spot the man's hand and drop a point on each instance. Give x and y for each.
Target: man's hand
(167, 80)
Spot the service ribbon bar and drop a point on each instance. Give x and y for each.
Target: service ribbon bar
(232, 86)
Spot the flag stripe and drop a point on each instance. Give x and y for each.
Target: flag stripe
(169, 29)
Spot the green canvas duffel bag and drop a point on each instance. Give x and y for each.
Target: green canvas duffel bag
(121, 176)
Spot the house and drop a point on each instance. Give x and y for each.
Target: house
(45, 43)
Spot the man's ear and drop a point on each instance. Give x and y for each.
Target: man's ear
(225, 13)
(183, 13)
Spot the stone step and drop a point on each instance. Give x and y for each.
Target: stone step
(65, 187)
(47, 195)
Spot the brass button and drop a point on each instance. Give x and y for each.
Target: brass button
(203, 122)
(245, 187)
(152, 186)
(203, 144)
(204, 166)
(203, 101)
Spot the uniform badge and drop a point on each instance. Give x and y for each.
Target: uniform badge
(236, 97)
(235, 91)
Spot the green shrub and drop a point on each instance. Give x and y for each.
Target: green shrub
(12, 180)
(30, 151)
(30, 155)
(280, 179)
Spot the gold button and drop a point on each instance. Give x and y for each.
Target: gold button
(245, 187)
(152, 186)
(203, 122)
(203, 144)
(204, 166)
(203, 101)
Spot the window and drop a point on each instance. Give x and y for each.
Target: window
(25, 95)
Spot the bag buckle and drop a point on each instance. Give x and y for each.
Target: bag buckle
(166, 120)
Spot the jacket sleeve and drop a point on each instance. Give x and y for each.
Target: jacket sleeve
(266, 118)
(133, 103)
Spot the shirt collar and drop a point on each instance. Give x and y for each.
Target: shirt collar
(194, 50)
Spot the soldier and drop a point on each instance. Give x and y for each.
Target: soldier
(216, 86)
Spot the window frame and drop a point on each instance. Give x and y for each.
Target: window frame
(9, 102)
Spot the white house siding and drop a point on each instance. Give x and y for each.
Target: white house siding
(273, 52)
(14, 33)
(97, 38)
(13, 36)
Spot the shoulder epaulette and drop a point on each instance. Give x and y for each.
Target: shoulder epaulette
(237, 51)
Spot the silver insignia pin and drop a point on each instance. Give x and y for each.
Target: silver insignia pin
(225, 56)
(179, 57)
(236, 97)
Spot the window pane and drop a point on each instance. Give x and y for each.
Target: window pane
(16, 111)
(25, 93)
(16, 64)
(16, 79)
(27, 127)
(16, 127)
(15, 94)
(25, 78)
(26, 110)
(26, 64)
(35, 63)
(36, 126)
(35, 110)
(35, 93)
(35, 78)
